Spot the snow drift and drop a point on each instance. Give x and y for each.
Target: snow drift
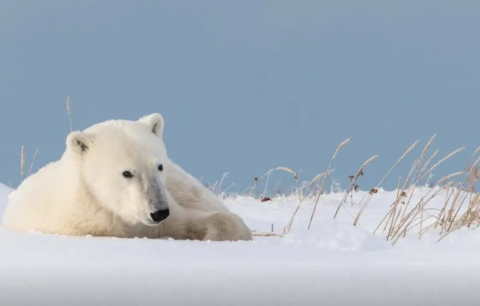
(334, 263)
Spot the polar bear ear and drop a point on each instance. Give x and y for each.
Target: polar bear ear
(154, 122)
(79, 142)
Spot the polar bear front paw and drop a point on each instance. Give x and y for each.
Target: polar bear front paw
(225, 227)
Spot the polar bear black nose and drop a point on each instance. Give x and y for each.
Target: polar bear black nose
(160, 215)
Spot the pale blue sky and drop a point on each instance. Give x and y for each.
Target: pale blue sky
(245, 86)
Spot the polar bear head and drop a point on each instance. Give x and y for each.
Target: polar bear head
(122, 165)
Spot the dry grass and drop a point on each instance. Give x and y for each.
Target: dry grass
(265, 234)
(320, 191)
(410, 212)
(354, 182)
(33, 160)
(298, 190)
(22, 163)
(375, 190)
(69, 110)
(402, 216)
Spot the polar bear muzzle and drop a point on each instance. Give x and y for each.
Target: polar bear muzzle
(158, 207)
(160, 215)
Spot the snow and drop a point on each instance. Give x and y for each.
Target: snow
(333, 263)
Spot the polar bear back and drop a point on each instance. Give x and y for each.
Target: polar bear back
(190, 193)
(34, 205)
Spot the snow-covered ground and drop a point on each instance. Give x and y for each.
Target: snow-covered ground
(334, 263)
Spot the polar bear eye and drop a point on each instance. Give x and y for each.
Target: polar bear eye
(160, 167)
(127, 174)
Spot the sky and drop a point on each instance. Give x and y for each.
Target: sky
(246, 86)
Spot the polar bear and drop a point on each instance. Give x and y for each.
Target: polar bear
(115, 179)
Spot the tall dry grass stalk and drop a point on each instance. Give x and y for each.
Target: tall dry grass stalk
(424, 152)
(320, 191)
(295, 177)
(353, 182)
(389, 214)
(373, 192)
(411, 182)
(69, 110)
(299, 189)
(440, 162)
(33, 160)
(22, 162)
(447, 177)
(217, 188)
(254, 187)
(257, 179)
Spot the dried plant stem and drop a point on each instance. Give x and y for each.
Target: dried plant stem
(417, 165)
(450, 218)
(353, 182)
(456, 182)
(381, 182)
(267, 174)
(389, 214)
(324, 178)
(400, 195)
(395, 218)
(428, 162)
(33, 160)
(404, 193)
(440, 162)
(472, 209)
(421, 176)
(218, 186)
(254, 187)
(22, 162)
(412, 214)
(69, 110)
(260, 234)
(424, 152)
(450, 176)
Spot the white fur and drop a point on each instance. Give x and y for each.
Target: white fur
(85, 193)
